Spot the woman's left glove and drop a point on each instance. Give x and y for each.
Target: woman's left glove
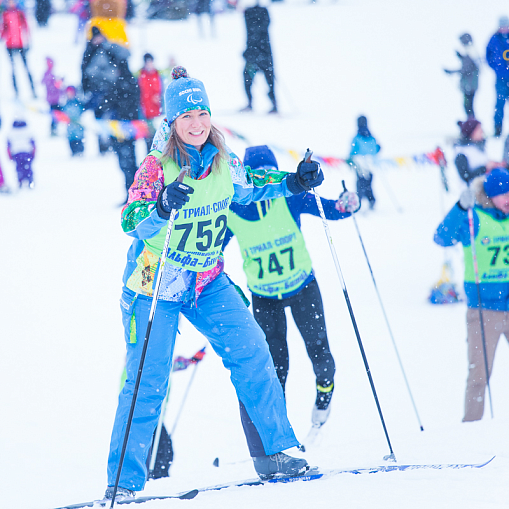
(348, 202)
(173, 197)
(308, 176)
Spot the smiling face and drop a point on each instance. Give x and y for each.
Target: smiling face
(193, 127)
(501, 202)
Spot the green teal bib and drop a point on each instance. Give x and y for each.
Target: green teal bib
(492, 249)
(276, 260)
(200, 226)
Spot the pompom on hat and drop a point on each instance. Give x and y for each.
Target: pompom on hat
(496, 182)
(184, 94)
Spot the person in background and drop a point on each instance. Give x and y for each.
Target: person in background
(124, 105)
(74, 108)
(258, 54)
(203, 7)
(471, 158)
(469, 74)
(82, 10)
(497, 55)
(488, 196)
(21, 150)
(16, 34)
(282, 275)
(151, 93)
(53, 92)
(363, 152)
(42, 12)
(100, 69)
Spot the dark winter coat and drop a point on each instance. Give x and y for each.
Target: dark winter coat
(258, 49)
(125, 97)
(99, 67)
(42, 11)
(469, 74)
(498, 44)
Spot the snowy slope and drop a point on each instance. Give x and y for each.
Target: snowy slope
(62, 256)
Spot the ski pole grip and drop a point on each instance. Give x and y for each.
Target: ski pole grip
(344, 186)
(307, 159)
(182, 174)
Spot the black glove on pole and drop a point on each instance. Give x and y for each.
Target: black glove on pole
(390, 456)
(162, 263)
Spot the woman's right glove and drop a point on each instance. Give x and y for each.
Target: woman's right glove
(308, 176)
(467, 199)
(173, 197)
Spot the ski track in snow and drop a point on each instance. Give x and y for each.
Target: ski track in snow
(63, 254)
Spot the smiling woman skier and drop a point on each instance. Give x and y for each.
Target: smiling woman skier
(194, 283)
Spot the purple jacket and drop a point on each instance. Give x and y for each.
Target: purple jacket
(52, 92)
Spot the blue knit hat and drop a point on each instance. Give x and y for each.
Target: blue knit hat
(496, 182)
(259, 157)
(184, 94)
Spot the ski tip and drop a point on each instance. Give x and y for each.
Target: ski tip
(189, 495)
(216, 462)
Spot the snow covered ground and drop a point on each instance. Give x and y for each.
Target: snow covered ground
(62, 256)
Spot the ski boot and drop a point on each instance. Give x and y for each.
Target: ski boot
(122, 494)
(321, 410)
(279, 465)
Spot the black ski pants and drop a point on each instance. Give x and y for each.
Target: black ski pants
(22, 53)
(126, 160)
(307, 311)
(250, 71)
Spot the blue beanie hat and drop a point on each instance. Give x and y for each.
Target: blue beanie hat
(259, 157)
(184, 94)
(496, 182)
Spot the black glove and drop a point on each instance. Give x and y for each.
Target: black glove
(173, 197)
(308, 176)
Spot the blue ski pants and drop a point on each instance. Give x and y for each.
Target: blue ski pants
(223, 318)
(502, 90)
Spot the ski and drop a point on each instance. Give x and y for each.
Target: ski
(316, 473)
(106, 503)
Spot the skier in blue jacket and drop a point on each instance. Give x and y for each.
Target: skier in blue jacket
(194, 283)
(280, 275)
(497, 56)
(488, 196)
(362, 157)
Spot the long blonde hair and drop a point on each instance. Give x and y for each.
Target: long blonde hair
(176, 146)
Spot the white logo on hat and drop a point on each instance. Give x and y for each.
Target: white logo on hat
(194, 101)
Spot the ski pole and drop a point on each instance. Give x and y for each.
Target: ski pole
(478, 285)
(390, 192)
(184, 397)
(385, 316)
(390, 456)
(162, 265)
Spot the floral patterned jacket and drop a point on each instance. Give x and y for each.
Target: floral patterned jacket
(141, 221)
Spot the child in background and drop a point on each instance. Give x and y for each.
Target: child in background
(21, 150)
(74, 108)
(53, 86)
(362, 154)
